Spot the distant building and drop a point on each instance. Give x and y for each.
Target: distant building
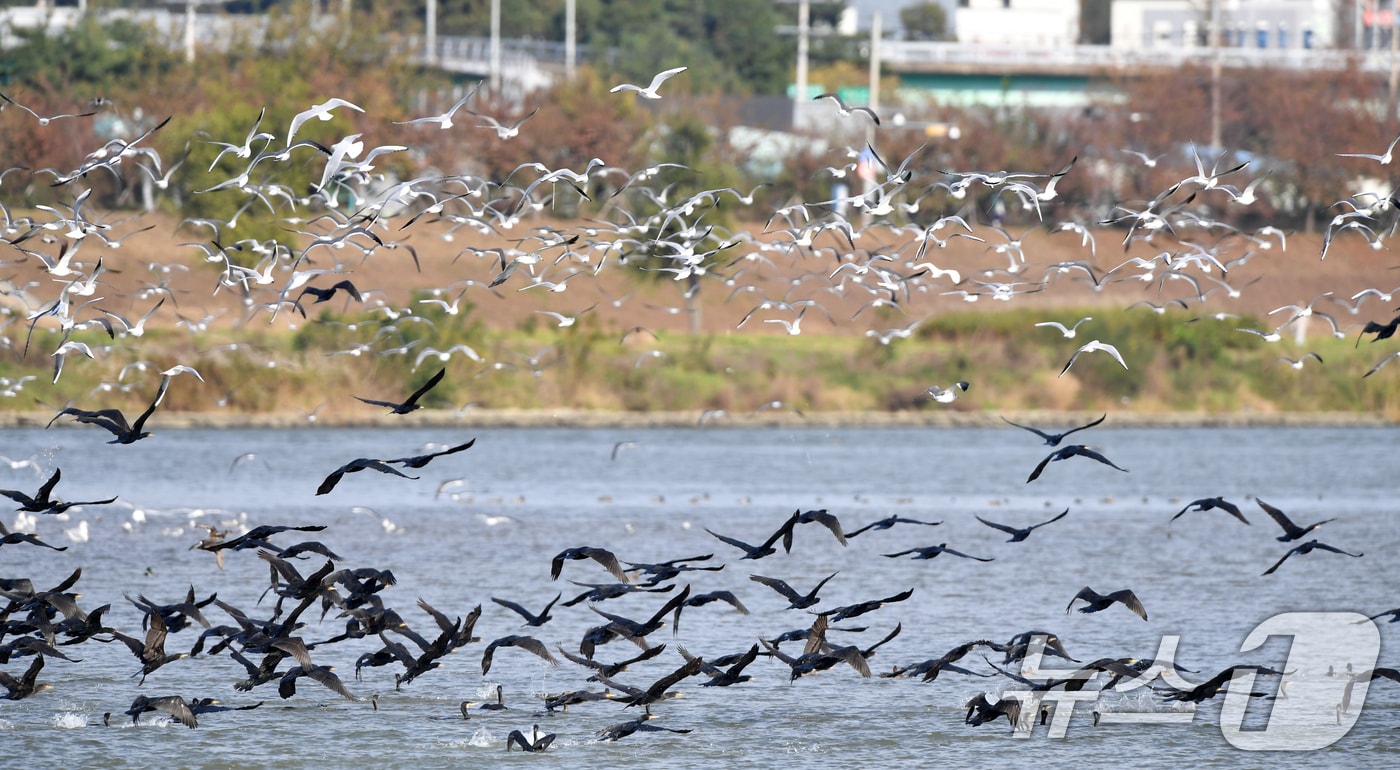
(1039, 23)
(1266, 24)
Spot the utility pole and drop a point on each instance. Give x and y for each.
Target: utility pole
(430, 32)
(570, 39)
(1394, 62)
(874, 73)
(1215, 138)
(189, 31)
(495, 64)
(799, 102)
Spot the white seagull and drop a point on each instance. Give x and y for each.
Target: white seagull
(443, 121)
(1090, 347)
(947, 396)
(320, 111)
(505, 131)
(844, 110)
(1383, 159)
(650, 91)
(1070, 332)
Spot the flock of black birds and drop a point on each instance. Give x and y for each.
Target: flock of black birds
(280, 644)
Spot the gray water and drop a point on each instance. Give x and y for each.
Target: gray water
(521, 496)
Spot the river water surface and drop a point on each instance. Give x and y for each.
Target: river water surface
(487, 522)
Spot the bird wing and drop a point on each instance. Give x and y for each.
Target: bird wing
(779, 586)
(1082, 427)
(1084, 451)
(662, 77)
(516, 608)
(1035, 474)
(160, 396)
(1070, 362)
(330, 481)
(427, 386)
(1289, 528)
(726, 539)
(45, 491)
(1334, 549)
(1004, 528)
(964, 555)
(1087, 594)
(1036, 431)
(1129, 599)
(389, 404)
(325, 676)
(1052, 521)
(178, 710)
(609, 562)
(1232, 509)
(829, 521)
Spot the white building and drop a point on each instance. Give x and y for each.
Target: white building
(1256, 24)
(1039, 23)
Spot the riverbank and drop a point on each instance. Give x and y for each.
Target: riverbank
(580, 418)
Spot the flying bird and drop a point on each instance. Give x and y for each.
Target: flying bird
(1020, 533)
(1291, 531)
(1053, 439)
(890, 521)
(650, 91)
(505, 131)
(173, 705)
(600, 555)
(113, 421)
(1064, 453)
(798, 601)
(1383, 159)
(443, 121)
(422, 460)
(929, 552)
(411, 403)
(43, 501)
(1067, 332)
(1090, 347)
(25, 685)
(355, 466)
(1095, 601)
(1309, 547)
(844, 110)
(531, 619)
(537, 740)
(1207, 503)
(44, 120)
(527, 643)
(320, 111)
(947, 396)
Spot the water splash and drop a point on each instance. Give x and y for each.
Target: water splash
(70, 720)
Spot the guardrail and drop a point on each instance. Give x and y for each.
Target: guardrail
(899, 53)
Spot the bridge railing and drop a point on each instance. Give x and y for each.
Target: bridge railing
(973, 56)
